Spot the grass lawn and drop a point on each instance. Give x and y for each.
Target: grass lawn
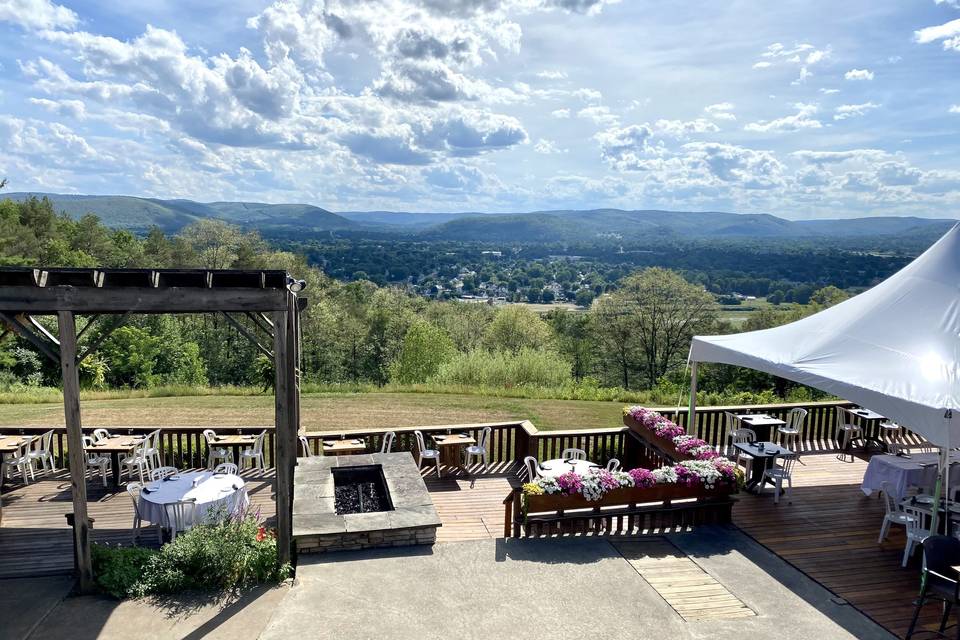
(324, 411)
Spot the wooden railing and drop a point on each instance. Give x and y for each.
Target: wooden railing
(510, 442)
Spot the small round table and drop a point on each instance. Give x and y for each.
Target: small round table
(213, 492)
(558, 467)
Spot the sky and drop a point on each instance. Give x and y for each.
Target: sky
(799, 108)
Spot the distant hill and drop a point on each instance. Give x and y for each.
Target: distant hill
(139, 214)
(304, 220)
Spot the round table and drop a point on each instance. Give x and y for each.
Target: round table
(558, 467)
(213, 492)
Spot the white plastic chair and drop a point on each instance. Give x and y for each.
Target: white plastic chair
(180, 516)
(42, 451)
(742, 436)
(133, 490)
(226, 467)
(846, 432)
(100, 434)
(732, 425)
(916, 531)
(20, 461)
(790, 432)
(255, 453)
(139, 462)
(426, 454)
(214, 452)
(387, 443)
(479, 450)
(781, 473)
(894, 436)
(95, 460)
(894, 512)
(574, 454)
(533, 468)
(613, 464)
(304, 447)
(162, 472)
(152, 449)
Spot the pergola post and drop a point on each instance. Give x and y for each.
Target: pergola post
(285, 458)
(78, 480)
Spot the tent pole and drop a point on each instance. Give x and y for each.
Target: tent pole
(692, 414)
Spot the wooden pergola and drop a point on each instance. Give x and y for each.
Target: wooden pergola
(107, 297)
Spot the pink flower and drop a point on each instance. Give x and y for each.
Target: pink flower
(607, 481)
(642, 477)
(569, 483)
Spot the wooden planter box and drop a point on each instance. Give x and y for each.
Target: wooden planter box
(624, 497)
(665, 445)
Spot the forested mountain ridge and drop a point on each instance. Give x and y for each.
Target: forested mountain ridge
(603, 225)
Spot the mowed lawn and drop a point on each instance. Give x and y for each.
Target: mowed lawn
(326, 411)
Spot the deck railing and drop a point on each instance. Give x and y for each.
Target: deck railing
(510, 442)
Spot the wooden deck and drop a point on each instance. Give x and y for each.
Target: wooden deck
(829, 530)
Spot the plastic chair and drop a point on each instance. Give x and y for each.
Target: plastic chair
(940, 555)
(255, 453)
(100, 434)
(95, 460)
(916, 532)
(574, 454)
(894, 511)
(738, 436)
(20, 461)
(304, 447)
(479, 450)
(533, 468)
(789, 434)
(180, 516)
(162, 472)
(387, 443)
(894, 435)
(214, 452)
(613, 464)
(226, 467)
(732, 424)
(846, 432)
(426, 454)
(138, 461)
(153, 451)
(43, 451)
(781, 473)
(133, 490)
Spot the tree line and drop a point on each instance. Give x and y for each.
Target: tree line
(634, 335)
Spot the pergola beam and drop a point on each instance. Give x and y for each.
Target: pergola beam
(249, 335)
(50, 300)
(25, 332)
(113, 326)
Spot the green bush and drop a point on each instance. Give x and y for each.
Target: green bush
(119, 570)
(528, 368)
(228, 553)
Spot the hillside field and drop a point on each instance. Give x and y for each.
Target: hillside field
(325, 411)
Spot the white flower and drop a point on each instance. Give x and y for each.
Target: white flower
(665, 475)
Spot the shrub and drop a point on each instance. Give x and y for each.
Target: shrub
(499, 369)
(229, 552)
(119, 570)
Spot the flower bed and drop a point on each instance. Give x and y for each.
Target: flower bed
(667, 435)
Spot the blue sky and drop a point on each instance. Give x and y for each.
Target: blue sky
(803, 109)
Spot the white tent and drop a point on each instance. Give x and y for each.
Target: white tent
(894, 348)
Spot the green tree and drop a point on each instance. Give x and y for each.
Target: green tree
(425, 348)
(515, 327)
(131, 354)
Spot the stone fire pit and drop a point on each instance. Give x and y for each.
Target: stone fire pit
(404, 516)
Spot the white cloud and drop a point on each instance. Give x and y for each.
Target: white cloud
(853, 110)
(625, 148)
(560, 113)
(858, 74)
(599, 115)
(37, 14)
(748, 168)
(763, 64)
(949, 32)
(721, 111)
(64, 108)
(800, 120)
(684, 128)
(590, 96)
(954, 108)
(828, 92)
(553, 74)
(548, 147)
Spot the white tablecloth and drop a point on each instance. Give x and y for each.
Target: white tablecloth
(557, 467)
(212, 493)
(919, 470)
